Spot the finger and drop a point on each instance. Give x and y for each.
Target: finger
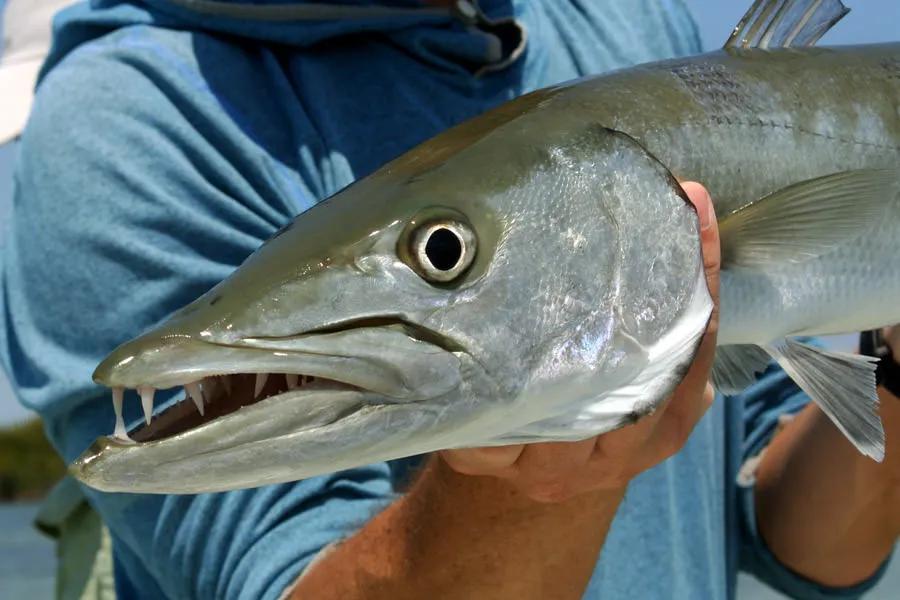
(693, 396)
(498, 461)
(709, 239)
(552, 471)
(712, 260)
(620, 454)
(892, 337)
(687, 408)
(620, 444)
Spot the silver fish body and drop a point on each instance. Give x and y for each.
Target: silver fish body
(580, 298)
(419, 366)
(749, 122)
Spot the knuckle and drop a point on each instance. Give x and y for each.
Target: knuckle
(466, 464)
(467, 468)
(550, 492)
(671, 448)
(678, 437)
(620, 480)
(612, 475)
(482, 461)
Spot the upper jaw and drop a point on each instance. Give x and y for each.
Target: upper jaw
(385, 360)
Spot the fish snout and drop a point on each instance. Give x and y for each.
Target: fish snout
(163, 361)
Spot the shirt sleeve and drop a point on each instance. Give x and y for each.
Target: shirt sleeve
(137, 189)
(774, 398)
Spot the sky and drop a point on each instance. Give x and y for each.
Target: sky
(870, 21)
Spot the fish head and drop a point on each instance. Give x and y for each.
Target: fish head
(495, 277)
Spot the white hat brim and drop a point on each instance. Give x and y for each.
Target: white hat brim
(17, 82)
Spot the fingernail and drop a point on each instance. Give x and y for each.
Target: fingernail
(706, 222)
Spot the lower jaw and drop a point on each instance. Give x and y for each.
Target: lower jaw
(242, 450)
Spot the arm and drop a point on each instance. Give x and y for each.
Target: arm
(455, 535)
(825, 511)
(516, 521)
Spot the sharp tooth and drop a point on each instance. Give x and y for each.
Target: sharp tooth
(260, 383)
(291, 380)
(118, 394)
(226, 383)
(146, 393)
(193, 390)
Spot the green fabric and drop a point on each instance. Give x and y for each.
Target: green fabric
(83, 545)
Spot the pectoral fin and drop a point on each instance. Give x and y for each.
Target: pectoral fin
(806, 219)
(786, 23)
(843, 385)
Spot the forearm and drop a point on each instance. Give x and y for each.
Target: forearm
(825, 510)
(454, 535)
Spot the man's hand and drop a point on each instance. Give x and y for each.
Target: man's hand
(892, 337)
(554, 472)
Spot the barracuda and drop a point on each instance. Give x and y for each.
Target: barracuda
(535, 274)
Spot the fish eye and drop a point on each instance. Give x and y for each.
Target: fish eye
(440, 251)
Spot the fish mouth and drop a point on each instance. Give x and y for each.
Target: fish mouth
(218, 395)
(249, 401)
(244, 449)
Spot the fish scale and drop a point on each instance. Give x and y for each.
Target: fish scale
(843, 290)
(746, 108)
(575, 298)
(755, 115)
(775, 142)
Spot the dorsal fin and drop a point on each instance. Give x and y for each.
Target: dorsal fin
(786, 23)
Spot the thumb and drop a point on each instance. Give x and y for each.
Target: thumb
(709, 239)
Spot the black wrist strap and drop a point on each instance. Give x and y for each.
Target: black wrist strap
(887, 374)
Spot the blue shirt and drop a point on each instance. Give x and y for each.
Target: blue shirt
(167, 143)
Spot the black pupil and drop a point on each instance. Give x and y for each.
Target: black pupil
(443, 249)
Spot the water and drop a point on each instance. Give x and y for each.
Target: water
(27, 559)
